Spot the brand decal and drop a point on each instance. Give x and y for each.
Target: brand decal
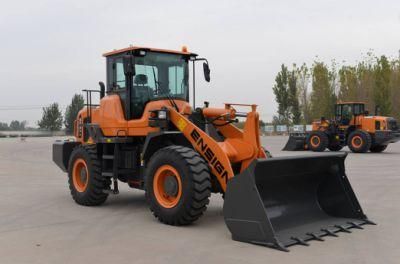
(209, 154)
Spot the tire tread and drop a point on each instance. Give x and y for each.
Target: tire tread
(94, 195)
(366, 138)
(201, 185)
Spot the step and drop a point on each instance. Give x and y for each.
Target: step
(110, 191)
(126, 171)
(108, 157)
(107, 174)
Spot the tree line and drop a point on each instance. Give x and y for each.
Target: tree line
(14, 125)
(52, 117)
(305, 93)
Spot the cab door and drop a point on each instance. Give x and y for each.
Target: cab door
(116, 81)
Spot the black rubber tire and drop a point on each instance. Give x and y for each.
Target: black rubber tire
(196, 185)
(93, 194)
(336, 147)
(365, 144)
(323, 141)
(378, 148)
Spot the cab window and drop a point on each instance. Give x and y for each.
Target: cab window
(151, 72)
(358, 109)
(176, 80)
(118, 75)
(347, 111)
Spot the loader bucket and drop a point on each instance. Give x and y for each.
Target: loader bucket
(280, 202)
(296, 141)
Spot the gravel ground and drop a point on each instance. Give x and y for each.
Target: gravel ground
(40, 223)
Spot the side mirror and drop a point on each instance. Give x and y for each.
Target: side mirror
(102, 89)
(129, 65)
(206, 70)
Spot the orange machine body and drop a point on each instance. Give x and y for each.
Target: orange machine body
(239, 146)
(363, 122)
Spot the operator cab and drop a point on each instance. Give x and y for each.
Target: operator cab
(344, 112)
(140, 75)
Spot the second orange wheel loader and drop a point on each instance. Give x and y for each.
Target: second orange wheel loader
(145, 133)
(352, 126)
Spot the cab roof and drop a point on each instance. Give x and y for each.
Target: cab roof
(184, 51)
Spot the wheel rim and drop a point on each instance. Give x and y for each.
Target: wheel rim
(315, 141)
(167, 186)
(357, 141)
(80, 175)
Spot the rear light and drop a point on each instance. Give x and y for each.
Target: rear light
(159, 118)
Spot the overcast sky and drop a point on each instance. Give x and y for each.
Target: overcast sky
(50, 50)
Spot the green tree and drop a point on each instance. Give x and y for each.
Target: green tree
(14, 125)
(366, 79)
(323, 94)
(4, 126)
(71, 112)
(293, 97)
(395, 89)
(276, 121)
(17, 125)
(334, 82)
(382, 91)
(374, 80)
(281, 92)
(303, 81)
(348, 88)
(51, 118)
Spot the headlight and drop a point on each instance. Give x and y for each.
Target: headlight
(162, 114)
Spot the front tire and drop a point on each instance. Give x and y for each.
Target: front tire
(359, 141)
(378, 148)
(178, 185)
(318, 141)
(84, 177)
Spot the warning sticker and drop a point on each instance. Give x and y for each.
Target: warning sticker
(181, 124)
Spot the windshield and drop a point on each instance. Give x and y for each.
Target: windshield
(163, 74)
(347, 111)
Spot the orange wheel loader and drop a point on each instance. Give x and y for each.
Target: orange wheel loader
(352, 126)
(145, 133)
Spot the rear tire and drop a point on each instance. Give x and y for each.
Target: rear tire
(84, 177)
(359, 141)
(378, 148)
(178, 185)
(318, 141)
